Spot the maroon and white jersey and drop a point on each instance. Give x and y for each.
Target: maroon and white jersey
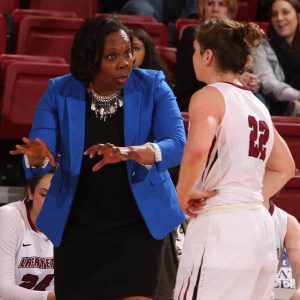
(244, 141)
(26, 256)
(279, 218)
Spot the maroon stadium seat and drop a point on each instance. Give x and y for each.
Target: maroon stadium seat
(135, 18)
(25, 82)
(289, 129)
(158, 31)
(168, 55)
(289, 197)
(247, 10)
(285, 119)
(181, 24)
(6, 59)
(182, 29)
(263, 25)
(83, 8)
(19, 14)
(49, 36)
(3, 31)
(7, 6)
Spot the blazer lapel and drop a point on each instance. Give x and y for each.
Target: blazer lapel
(76, 119)
(132, 102)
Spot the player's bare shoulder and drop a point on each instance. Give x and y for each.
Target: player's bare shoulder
(208, 99)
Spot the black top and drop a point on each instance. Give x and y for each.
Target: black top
(103, 199)
(186, 82)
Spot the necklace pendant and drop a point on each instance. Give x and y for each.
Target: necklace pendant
(104, 106)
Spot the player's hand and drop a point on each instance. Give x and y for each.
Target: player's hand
(109, 154)
(194, 201)
(251, 81)
(36, 150)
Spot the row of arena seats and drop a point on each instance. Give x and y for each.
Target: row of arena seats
(289, 128)
(23, 81)
(40, 32)
(51, 33)
(82, 8)
(88, 8)
(289, 196)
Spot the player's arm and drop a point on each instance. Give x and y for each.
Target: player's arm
(205, 112)
(292, 245)
(280, 167)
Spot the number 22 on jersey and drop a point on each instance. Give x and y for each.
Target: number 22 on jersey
(258, 139)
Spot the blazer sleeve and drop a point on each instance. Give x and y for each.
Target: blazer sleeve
(168, 130)
(45, 126)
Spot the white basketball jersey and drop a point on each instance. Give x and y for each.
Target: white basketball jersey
(279, 218)
(244, 141)
(26, 252)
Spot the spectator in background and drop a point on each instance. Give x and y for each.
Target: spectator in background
(164, 11)
(186, 82)
(26, 254)
(277, 59)
(213, 9)
(185, 79)
(145, 55)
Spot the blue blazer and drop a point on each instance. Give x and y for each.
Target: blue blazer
(151, 114)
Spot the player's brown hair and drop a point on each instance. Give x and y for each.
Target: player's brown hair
(231, 42)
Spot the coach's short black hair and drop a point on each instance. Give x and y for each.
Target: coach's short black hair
(88, 45)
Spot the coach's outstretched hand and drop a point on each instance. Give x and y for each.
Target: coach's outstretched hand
(36, 150)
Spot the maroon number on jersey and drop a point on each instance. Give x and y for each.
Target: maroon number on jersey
(30, 282)
(259, 136)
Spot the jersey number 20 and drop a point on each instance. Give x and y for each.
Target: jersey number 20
(30, 281)
(259, 136)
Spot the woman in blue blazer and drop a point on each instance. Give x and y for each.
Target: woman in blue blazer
(111, 201)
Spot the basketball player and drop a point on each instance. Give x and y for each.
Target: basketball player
(26, 254)
(234, 150)
(287, 232)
